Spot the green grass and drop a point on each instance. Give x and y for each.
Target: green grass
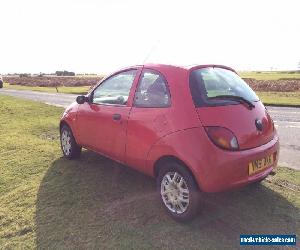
(47, 201)
(268, 75)
(272, 98)
(280, 98)
(67, 90)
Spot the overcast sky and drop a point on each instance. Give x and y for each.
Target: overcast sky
(102, 36)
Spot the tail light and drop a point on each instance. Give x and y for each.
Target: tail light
(222, 137)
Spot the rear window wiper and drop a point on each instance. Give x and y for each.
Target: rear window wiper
(235, 98)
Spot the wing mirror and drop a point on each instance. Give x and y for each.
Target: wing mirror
(82, 99)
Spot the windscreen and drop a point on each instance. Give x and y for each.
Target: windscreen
(208, 83)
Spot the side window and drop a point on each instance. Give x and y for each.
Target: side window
(115, 90)
(152, 91)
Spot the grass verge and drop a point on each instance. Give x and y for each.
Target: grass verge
(49, 202)
(269, 75)
(280, 98)
(82, 90)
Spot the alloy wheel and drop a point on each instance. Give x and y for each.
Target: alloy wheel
(66, 141)
(174, 192)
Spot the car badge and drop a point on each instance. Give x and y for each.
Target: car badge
(259, 124)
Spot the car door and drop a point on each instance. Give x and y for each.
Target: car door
(102, 122)
(149, 118)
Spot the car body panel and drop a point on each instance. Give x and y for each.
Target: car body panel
(241, 121)
(70, 118)
(214, 169)
(147, 125)
(100, 132)
(97, 128)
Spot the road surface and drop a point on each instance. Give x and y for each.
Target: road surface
(56, 99)
(287, 122)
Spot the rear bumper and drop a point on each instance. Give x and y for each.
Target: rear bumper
(229, 170)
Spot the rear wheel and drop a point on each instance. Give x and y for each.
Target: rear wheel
(178, 191)
(69, 147)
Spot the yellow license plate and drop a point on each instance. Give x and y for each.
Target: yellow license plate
(260, 164)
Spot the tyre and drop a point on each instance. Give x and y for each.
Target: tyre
(69, 147)
(178, 191)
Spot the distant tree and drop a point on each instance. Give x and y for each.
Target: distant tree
(65, 73)
(23, 75)
(59, 73)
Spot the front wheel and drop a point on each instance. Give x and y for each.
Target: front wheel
(178, 191)
(69, 147)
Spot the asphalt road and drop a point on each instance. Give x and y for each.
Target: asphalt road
(287, 122)
(56, 99)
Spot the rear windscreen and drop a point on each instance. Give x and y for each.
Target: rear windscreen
(209, 82)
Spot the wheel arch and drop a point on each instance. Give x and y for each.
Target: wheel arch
(64, 122)
(170, 158)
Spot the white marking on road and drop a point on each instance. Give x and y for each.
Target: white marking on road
(53, 104)
(289, 126)
(286, 124)
(288, 111)
(296, 123)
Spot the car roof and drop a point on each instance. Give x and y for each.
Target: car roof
(186, 67)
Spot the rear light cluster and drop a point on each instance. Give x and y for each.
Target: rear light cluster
(222, 137)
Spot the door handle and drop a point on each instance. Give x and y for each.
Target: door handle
(116, 117)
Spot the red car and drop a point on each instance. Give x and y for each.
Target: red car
(199, 128)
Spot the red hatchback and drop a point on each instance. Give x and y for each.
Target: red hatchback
(199, 128)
